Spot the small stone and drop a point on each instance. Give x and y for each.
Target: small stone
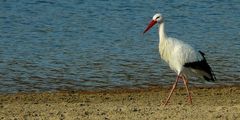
(135, 110)
(218, 116)
(82, 104)
(86, 113)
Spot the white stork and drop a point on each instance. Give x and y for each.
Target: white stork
(181, 57)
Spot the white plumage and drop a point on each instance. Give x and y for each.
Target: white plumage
(176, 53)
(181, 57)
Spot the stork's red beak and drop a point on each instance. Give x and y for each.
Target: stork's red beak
(152, 23)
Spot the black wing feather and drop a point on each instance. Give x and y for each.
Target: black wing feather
(202, 66)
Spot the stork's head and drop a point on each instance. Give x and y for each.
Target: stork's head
(157, 18)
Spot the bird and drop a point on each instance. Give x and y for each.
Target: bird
(181, 58)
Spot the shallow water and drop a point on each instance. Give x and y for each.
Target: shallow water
(87, 45)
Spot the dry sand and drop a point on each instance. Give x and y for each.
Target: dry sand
(208, 103)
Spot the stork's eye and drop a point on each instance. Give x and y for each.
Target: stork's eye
(157, 17)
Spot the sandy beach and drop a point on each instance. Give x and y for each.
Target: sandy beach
(208, 103)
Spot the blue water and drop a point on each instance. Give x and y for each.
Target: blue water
(50, 45)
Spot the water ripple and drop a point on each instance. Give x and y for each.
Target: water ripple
(72, 45)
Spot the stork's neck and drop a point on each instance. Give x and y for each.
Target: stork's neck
(162, 35)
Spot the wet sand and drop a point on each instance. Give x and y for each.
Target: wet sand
(208, 103)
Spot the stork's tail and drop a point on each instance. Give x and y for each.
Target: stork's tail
(203, 67)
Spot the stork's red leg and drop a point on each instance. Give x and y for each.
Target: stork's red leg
(186, 85)
(173, 87)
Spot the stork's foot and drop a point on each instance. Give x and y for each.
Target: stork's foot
(170, 94)
(186, 86)
(190, 99)
(164, 103)
(174, 86)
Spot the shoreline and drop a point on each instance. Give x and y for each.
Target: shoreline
(208, 103)
(123, 89)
